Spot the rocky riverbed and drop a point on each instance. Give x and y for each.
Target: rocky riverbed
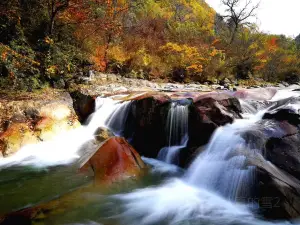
(240, 144)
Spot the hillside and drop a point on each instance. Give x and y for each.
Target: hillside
(46, 43)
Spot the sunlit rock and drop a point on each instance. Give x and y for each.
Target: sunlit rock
(114, 161)
(39, 118)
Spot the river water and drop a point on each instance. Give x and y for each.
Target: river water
(206, 193)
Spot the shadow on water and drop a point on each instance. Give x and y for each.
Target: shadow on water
(26, 186)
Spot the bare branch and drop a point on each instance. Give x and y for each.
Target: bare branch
(238, 15)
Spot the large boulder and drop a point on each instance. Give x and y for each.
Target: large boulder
(145, 126)
(146, 122)
(282, 147)
(28, 119)
(278, 172)
(288, 115)
(115, 160)
(278, 193)
(84, 105)
(284, 152)
(208, 112)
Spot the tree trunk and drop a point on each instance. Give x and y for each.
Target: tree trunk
(52, 21)
(233, 33)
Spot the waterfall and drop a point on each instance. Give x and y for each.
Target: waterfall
(67, 147)
(221, 167)
(116, 122)
(177, 132)
(209, 191)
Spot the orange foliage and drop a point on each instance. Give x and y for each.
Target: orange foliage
(272, 44)
(98, 58)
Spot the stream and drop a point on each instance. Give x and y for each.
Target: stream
(211, 191)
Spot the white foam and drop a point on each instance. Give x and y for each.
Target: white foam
(177, 201)
(64, 148)
(285, 93)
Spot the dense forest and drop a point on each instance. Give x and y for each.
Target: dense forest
(43, 42)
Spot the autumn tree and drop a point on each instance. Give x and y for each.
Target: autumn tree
(54, 8)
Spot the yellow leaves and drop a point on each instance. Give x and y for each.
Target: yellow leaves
(289, 59)
(195, 68)
(171, 47)
(48, 40)
(51, 70)
(186, 50)
(117, 53)
(253, 46)
(142, 57)
(69, 67)
(214, 52)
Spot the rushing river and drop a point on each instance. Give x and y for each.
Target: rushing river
(206, 193)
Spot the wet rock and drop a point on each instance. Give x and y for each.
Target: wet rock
(292, 78)
(284, 115)
(16, 220)
(285, 84)
(284, 152)
(102, 134)
(278, 172)
(225, 81)
(145, 126)
(115, 160)
(208, 112)
(84, 105)
(278, 193)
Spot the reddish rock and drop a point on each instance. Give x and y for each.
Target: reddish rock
(158, 97)
(219, 108)
(259, 94)
(114, 161)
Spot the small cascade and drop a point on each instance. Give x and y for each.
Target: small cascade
(247, 108)
(66, 148)
(111, 114)
(177, 132)
(117, 120)
(222, 166)
(104, 108)
(177, 124)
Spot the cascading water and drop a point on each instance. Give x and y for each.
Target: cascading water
(206, 193)
(247, 108)
(177, 132)
(66, 147)
(223, 154)
(117, 120)
(210, 189)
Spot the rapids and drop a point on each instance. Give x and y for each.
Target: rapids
(208, 192)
